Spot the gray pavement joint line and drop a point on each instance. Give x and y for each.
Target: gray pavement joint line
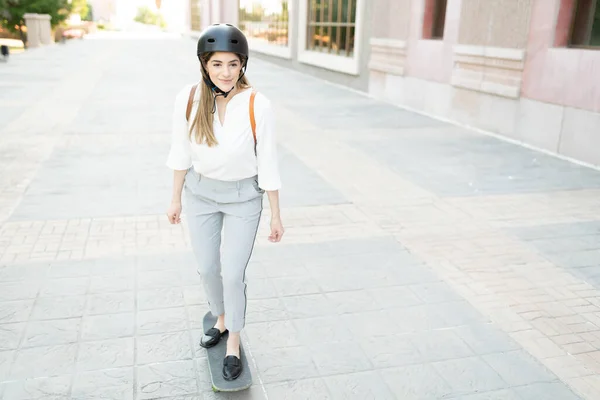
(24, 334)
(80, 335)
(254, 362)
(135, 326)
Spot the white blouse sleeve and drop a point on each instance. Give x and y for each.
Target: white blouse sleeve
(266, 148)
(180, 155)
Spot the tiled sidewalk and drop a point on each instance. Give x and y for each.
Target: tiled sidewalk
(421, 260)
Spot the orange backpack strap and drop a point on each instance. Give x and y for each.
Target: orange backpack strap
(190, 101)
(252, 120)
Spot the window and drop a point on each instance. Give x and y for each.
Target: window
(265, 20)
(434, 19)
(586, 24)
(331, 26)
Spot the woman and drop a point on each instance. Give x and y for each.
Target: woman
(225, 170)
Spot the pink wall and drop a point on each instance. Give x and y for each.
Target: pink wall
(559, 75)
(432, 59)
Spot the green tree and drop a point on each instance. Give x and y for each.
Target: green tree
(13, 11)
(80, 7)
(146, 16)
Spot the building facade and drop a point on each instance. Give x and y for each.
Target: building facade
(525, 69)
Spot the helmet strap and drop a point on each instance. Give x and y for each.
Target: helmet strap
(215, 89)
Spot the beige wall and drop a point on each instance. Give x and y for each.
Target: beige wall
(505, 74)
(495, 23)
(381, 15)
(391, 19)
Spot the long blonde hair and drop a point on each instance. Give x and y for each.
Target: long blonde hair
(202, 126)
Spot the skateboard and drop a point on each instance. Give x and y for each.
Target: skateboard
(215, 356)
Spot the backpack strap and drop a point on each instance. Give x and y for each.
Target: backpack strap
(189, 103)
(252, 120)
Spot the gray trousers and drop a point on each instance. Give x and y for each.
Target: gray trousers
(232, 208)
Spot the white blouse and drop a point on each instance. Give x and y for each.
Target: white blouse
(233, 158)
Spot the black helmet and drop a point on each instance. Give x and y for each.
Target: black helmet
(222, 37)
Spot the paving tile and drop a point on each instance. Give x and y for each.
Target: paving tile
(56, 388)
(28, 272)
(339, 357)
(106, 354)
(161, 321)
(166, 379)
(441, 345)
(160, 298)
(518, 368)
(58, 307)
(507, 167)
(274, 334)
(284, 364)
(352, 301)
(19, 290)
(327, 329)
(263, 310)
(110, 384)
(486, 338)
(469, 375)
(65, 287)
(108, 326)
(110, 303)
(361, 324)
(53, 332)
(10, 335)
(44, 361)
(557, 390)
(295, 285)
(395, 297)
(15, 311)
(364, 385)
(6, 360)
(305, 389)
(163, 347)
(494, 395)
(193, 295)
(437, 292)
(419, 381)
(306, 306)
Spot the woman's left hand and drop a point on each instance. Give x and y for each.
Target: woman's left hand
(276, 230)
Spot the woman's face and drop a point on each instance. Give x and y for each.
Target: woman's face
(224, 70)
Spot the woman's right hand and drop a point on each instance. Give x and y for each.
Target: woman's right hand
(174, 213)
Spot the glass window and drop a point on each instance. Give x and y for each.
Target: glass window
(434, 19)
(265, 20)
(586, 24)
(331, 26)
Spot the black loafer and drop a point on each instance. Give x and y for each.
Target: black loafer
(232, 368)
(211, 338)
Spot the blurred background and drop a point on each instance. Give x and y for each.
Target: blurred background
(525, 69)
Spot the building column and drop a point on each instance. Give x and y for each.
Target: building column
(390, 31)
(391, 19)
(490, 54)
(32, 23)
(45, 29)
(206, 13)
(230, 12)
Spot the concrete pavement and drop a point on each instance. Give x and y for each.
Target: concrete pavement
(421, 260)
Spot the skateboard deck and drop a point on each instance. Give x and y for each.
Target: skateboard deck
(215, 356)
